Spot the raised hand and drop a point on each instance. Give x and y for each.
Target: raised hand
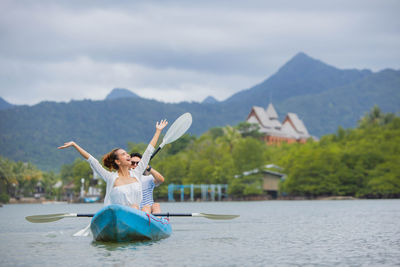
(161, 125)
(84, 154)
(68, 144)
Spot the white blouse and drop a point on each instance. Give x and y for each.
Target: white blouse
(127, 194)
(110, 177)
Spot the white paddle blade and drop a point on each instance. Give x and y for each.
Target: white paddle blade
(177, 129)
(83, 232)
(48, 217)
(215, 216)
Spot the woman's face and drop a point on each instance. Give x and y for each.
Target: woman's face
(123, 158)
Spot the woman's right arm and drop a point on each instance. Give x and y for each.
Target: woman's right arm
(83, 152)
(94, 163)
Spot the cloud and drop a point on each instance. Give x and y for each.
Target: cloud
(63, 81)
(179, 50)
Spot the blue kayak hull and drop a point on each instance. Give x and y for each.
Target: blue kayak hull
(116, 223)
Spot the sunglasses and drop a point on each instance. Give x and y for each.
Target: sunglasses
(135, 162)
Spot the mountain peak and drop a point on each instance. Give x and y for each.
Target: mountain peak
(121, 93)
(209, 100)
(301, 61)
(301, 75)
(301, 55)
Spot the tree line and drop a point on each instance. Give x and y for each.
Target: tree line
(361, 162)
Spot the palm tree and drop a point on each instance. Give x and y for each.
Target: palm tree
(376, 117)
(231, 136)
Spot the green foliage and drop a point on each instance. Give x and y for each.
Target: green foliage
(248, 154)
(81, 169)
(362, 162)
(180, 144)
(243, 186)
(4, 198)
(216, 132)
(7, 176)
(247, 129)
(22, 179)
(66, 173)
(136, 148)
(375, 117)
(359, 162)
(73, 173)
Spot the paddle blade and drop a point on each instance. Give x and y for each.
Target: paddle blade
(177, 129)
(83, 232)
(215, 216)
(48, 217)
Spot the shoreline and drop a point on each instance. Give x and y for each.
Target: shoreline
(243, 199)
(32, 200)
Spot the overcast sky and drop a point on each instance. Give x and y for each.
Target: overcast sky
(181, 50)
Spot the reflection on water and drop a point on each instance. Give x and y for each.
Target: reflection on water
(112, 246)
(273, 233)
(54, 234)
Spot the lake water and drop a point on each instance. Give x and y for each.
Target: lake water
(268, 233)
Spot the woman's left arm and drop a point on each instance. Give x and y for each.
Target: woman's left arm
(159, 127)
(150, 149)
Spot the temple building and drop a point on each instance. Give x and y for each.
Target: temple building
(291, 130)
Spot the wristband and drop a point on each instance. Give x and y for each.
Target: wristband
(148, 169)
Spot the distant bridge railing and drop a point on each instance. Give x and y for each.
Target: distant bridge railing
(210, 192)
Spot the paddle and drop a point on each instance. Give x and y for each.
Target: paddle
(176, 130)
(55, 217)
(204, 215)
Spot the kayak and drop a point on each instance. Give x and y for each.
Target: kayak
(116, 223)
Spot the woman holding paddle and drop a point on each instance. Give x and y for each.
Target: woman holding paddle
(123, 186)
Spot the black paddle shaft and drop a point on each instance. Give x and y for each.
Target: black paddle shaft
(156, 214)
(155, 152)
(172, 214)
(84, 215)
(152, 156)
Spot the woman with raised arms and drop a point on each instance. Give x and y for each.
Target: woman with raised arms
(123, 183)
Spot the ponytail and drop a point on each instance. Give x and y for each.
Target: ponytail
(109, 159)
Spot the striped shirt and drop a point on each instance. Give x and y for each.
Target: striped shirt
(147, 189)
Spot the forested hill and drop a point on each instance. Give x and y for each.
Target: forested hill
(323, 96)
(34, 133)
(4, 104)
